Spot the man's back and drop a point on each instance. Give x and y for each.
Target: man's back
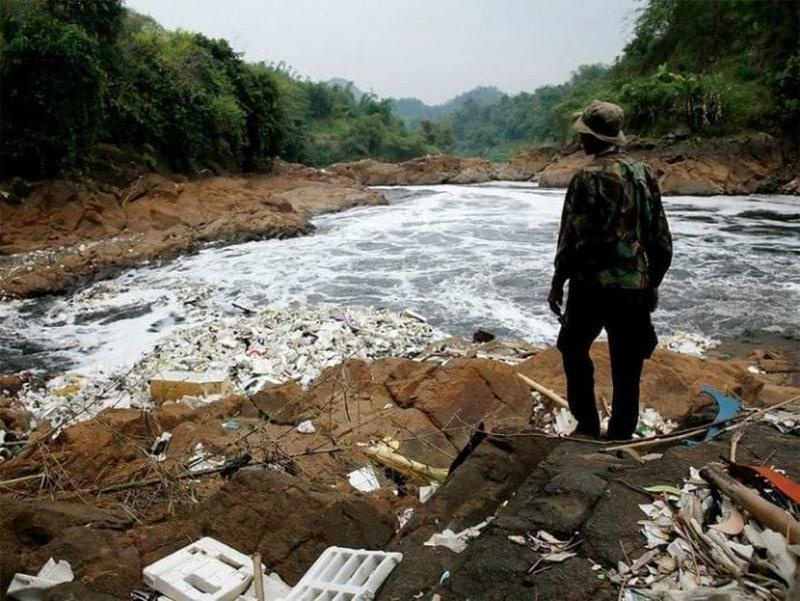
(613, 230)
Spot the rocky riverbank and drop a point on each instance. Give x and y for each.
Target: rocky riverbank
(267, 466)
(67, 232)
(756, 163)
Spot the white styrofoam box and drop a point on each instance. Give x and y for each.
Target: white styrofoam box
(206, 570)
(341, 574)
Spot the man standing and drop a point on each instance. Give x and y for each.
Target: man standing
(614, 247)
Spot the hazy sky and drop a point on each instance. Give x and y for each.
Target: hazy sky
(431, 49)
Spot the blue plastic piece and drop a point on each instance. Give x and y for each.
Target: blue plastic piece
(727, 407)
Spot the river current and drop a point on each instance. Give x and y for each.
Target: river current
(463, 256)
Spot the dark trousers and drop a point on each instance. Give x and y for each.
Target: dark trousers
(625, 314)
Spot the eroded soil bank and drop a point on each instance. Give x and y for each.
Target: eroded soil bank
(64, 233)
(95, 496)
(757, 163)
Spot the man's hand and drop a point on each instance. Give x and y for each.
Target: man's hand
(652, 299)
(555, 298)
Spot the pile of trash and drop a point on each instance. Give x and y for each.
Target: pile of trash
(701, 546)
(208, 569)
(688, 343)
(266, 347)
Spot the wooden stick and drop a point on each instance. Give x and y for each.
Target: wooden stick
(151, 481)
(661, 438)
(21, 479)
(544, 391)
(734, 423)
(259, 579)
(768, 514)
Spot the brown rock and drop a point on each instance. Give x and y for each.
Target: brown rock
(740, 165)
(291, 521)
(281, 403)
(11, 383)
(671, 382)
(156, 218)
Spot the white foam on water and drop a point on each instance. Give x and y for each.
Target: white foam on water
(463, 256)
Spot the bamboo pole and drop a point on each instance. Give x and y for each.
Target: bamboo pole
(544, 391)
(258, 577)
(404, 465)
(766, 513)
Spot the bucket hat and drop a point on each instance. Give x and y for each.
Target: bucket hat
(603, 120)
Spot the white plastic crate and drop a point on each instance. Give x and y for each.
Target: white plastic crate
(206, 570)
(341, 574)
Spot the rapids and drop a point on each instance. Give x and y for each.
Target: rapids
(463, 256)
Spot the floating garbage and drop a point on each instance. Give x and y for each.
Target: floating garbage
(29, 588)
(239, 353)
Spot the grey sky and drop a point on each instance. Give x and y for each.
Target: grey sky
(431, 49)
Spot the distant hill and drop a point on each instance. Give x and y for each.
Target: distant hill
(412, 110)
(346, 85)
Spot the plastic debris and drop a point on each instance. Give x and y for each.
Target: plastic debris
(272, 345)
(550, 548)
(727, 407)
(159, 448)
(404, 517)
(786, 420)
(306, 427)
(691, 553)
(364, 479)
(231, 424)
(174, 385)
(30, 588)
(426, 492)
(786, 486)
(205, 570)
(688, 343)
(456, 541)
(340, 573)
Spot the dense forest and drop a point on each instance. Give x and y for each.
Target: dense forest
(77, 76)
(413, 110)
(711, 67)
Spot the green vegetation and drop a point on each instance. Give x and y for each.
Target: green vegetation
(76, 74)
(715, 67)
(413, 110)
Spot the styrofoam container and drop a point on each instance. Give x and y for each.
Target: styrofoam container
(205, 570)
(341, 574)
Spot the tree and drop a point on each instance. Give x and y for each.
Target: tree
(50, 100)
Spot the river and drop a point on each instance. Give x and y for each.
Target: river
(464, 256)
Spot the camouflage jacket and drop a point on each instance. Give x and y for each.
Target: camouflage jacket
(614, 232)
